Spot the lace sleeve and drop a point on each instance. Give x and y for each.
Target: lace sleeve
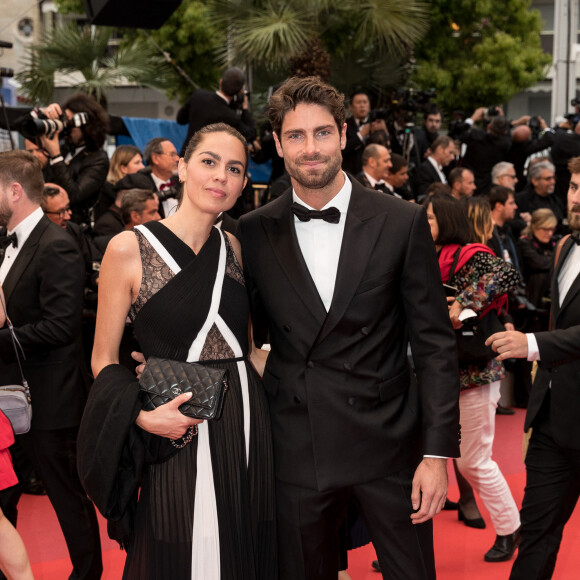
(156, 273)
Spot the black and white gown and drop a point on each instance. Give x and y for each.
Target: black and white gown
(207, 512)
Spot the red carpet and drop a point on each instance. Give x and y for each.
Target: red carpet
(458, 550)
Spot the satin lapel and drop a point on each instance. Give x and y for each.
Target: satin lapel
(24, 257)
(573, 290)
(361, 230)
(282, 237)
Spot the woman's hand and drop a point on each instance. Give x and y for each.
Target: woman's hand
(454, 311)
(167, 420)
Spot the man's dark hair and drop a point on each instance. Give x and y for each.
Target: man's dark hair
(499, 126)
(23, 168)
(441, 141)
(499, 194)
(309, 90)
(358, 92)
(437, 188)
(454, 227)
(456, 175)
(233, 81)
(95, 131)
(431, 110)
(134, 200)
(153, 146)
(397, 162)
(48, 193)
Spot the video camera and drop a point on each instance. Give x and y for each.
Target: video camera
(36, 123)
(405, 101)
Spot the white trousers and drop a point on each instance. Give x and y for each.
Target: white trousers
(477, 411)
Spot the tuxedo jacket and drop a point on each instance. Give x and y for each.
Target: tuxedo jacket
(425, 175)
(345, 408)
(353, 150)
(559, 364)
(44, 298)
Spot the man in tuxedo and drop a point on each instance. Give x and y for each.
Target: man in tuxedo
(161, 158)
(376, 162)
(340, 279)
(227, 105)
(553, 457)
(431, 170)
(42, 277)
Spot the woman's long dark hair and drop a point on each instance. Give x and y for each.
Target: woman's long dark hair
(454, 227)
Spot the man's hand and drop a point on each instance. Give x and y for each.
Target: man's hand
(429, 489)
(510, 344)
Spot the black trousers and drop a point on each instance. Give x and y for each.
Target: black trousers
(552, 490)
(53, 456)
(309, 523)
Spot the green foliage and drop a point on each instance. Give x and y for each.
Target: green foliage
(191, 40)
(83, 54)
(70, 6)
(480, 52)
(269, 32)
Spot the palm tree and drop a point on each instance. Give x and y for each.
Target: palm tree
(269, 32)
(83, 57)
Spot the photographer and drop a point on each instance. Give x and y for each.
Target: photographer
(229, 104)
(486, 147)
(566, 146)
(80, 166)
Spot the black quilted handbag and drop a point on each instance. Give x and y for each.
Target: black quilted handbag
(163, 380)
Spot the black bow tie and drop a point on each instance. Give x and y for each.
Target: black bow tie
(330, 215)
(11, 239)
(382, 187)
(576, 238)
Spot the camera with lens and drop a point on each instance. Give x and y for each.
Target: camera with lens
(491, 112)
(535, 126)
(37, 124)
(572, 118)
(173, 192)
(237, 101)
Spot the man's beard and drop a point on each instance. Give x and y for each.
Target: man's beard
(314, 179)
(5, 212)
(574, 218)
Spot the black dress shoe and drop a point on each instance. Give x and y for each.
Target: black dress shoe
(504, 547)
(478, 523)
(504, 411)
(450, 505)
(376, 566)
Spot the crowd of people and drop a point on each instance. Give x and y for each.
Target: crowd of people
(373, 235)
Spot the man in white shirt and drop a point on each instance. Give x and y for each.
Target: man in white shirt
(42, 276)
(553, 457)
(376, 161)
(431, 170)
(340, 279)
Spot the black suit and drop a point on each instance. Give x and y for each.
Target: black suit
(353, 150)
(44, 297)
(207, 107)
(345, 408)
(425, 174)
(553, 458)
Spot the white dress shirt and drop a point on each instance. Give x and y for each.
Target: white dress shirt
(320, 243)
(568, 273)
(23, 231)
(438, 168)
